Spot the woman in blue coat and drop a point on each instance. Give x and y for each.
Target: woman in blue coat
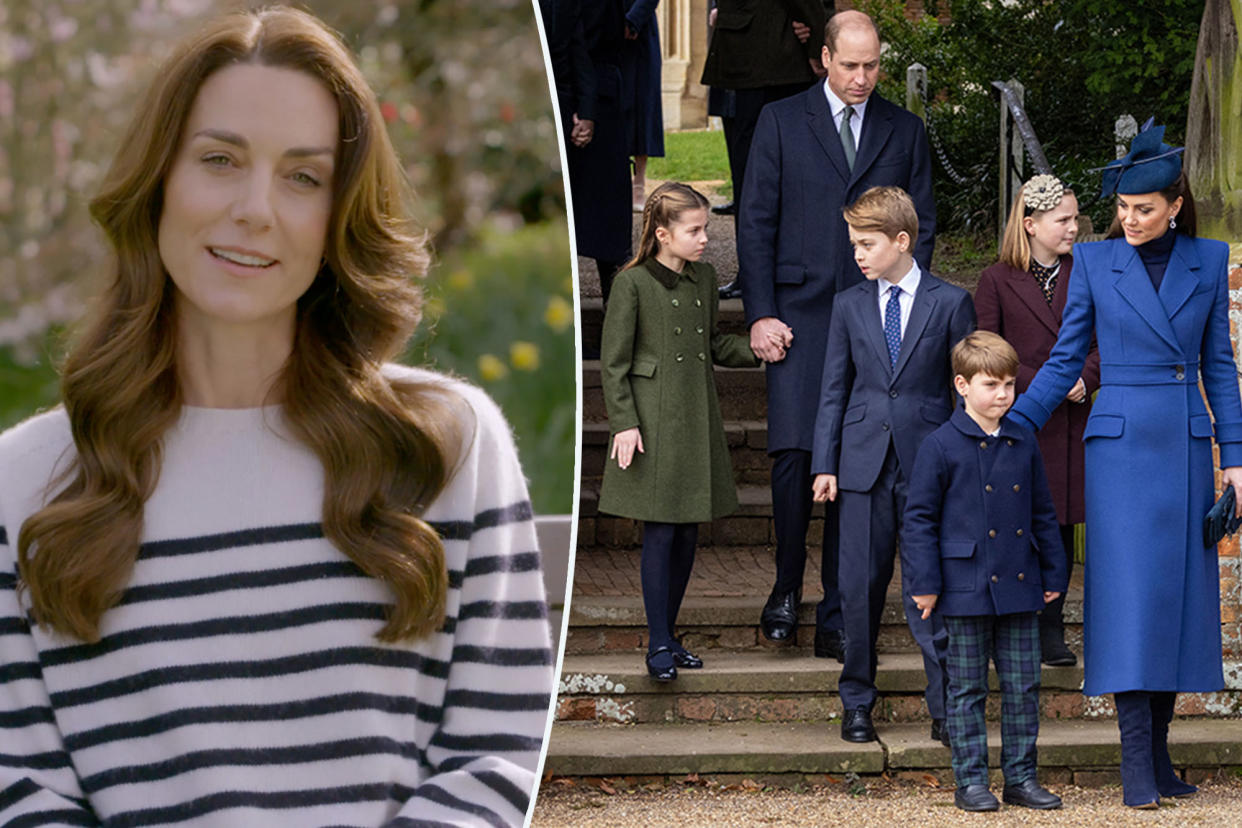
(1156, 298)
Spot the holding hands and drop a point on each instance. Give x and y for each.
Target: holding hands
(770, 338)
(1078, 393)
(582, 132)
(623, 445)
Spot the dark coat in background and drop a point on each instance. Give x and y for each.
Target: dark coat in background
(1010, 303)
(659, 345)
(793, 244)
(641, 66)
(753, 44)
(980, 531)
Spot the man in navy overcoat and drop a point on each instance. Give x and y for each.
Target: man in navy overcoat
(794, 250)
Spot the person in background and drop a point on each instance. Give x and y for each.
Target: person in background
(640, 68)
(1022, 298)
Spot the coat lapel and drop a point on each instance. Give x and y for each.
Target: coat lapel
(819, 120)
(1022, 283)
(873, 324)
(1135, 288)
(877, 126)
(1181, 277)
(920, 312)
(1061, 295)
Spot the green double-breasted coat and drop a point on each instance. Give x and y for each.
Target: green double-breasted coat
(659, 344)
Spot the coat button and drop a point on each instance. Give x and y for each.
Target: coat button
(680, 357)
(1016, 487)
(1019, 533)
(702, 356)
(1179, 375)
(677, 330)
(699, 329)
(893, 393)
(698, 303)
(991, 533)
(995, 579)
(676, 303)
(1009, 442)
(983, 444)
(988, 488)
(1021, 576)
(884, 426)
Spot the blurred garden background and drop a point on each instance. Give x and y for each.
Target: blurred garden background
(465, 96)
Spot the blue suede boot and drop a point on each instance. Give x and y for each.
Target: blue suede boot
(1138, 778)
(1167, 782)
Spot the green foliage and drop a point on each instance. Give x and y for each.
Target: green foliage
(698, 155)
(501, 315)
(1082, 62)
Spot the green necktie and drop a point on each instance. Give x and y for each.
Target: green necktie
(847, 137)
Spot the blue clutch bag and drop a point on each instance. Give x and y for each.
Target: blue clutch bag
(1220, 519)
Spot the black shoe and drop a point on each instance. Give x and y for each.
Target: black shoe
(975, 798)
(733, 290)
(1029, 794)
(856, 726)
(1053, 651)
(829, 644)
(779, 621)
(684, 658)
(662, 674)
(940, 732)
(726, 209)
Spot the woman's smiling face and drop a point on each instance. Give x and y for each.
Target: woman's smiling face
(248, 197)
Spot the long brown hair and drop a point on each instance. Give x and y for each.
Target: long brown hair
(1187, 217)
(388, 447)
(664, 206)
(1016, 243)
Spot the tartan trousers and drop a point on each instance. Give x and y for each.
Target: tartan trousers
(1013, 642)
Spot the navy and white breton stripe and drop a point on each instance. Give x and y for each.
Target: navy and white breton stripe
(239, 682)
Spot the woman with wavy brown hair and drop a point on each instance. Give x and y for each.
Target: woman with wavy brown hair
(250, 572)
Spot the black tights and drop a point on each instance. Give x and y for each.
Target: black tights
(668, 556)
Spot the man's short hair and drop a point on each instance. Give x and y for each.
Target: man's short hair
(984, 352)
(836, 23)
(887, 210)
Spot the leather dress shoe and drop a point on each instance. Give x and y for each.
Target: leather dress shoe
(1030, 794)
(779, 620)
(1054, 653)
(856, 726)
(940, 732)
(975, 798)
(829, 644)
(730, 291)
(661, 674)
(684, 658)
(727, 209)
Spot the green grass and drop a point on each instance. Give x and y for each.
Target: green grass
(698, 155)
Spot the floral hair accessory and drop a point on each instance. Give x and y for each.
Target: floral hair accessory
(1043, 192)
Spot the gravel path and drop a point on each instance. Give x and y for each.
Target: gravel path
(883, 804)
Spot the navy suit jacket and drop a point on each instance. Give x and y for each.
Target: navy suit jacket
(793, 245)
(864, 402)
(981, 532)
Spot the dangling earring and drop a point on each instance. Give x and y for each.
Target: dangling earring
(1172, 222)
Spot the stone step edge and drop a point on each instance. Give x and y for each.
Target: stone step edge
(586, 749)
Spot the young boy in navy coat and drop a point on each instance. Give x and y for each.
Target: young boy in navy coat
(886, 385)
(981, 544)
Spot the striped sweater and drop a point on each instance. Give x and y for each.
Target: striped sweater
(238, 682)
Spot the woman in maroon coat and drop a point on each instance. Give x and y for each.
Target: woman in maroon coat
(1021, 297)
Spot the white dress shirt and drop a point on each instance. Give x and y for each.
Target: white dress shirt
(838, 113)
(908, 285)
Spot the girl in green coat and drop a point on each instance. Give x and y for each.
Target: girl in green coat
(671, 467)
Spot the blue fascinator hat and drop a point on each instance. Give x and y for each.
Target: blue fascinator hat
(1149, 166)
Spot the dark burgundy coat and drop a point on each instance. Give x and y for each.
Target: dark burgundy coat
(1010, 303)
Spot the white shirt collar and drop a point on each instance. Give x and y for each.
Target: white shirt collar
(835, 105)
(908, 283)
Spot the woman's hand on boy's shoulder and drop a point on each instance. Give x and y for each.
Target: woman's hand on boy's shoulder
(624, 444)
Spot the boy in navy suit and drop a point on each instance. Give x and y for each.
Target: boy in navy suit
(980, 543)
(886, 385)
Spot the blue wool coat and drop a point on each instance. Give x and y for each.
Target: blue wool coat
(1151, 611)
(980, 530)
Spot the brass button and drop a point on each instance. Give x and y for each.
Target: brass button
(698, 303)
(680, 357)
(1016, 487)
(995, 579)
(676, 303)
(1021, 576)
(991, 533)
(702, 357)
(983, 444)
(1019, 533)
(677, 331)
(988, 488)
(1009, 442)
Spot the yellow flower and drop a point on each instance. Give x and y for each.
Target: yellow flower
(559, 315)
(524, 355)
(491, 368)
(461, 280)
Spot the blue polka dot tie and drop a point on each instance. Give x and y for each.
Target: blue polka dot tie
(892, 324)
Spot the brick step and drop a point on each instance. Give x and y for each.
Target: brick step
(610, 623)
(789, 686)
(742, 393)
(730, 319)
(1070, 751)
(748, 450)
